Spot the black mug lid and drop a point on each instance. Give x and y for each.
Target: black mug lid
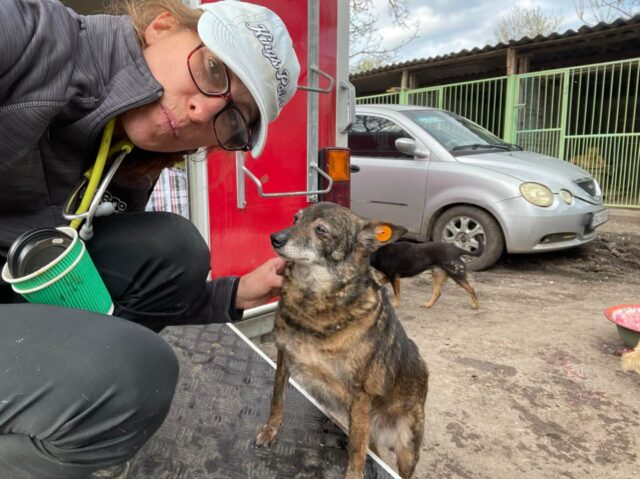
(34, 249)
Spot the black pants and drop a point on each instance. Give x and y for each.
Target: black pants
(80, 391)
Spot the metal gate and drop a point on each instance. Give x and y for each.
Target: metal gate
(539, 113)
(585, 115)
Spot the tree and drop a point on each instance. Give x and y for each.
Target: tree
(367, 63)
(596, 11)
(525, 22)
(365, 42)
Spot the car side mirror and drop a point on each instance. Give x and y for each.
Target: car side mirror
(409, 147)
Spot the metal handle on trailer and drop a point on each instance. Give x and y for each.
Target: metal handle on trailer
(242, 170)
(316, 89)
(313, 55)
(290, 193)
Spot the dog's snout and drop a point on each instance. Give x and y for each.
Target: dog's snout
(279, 239)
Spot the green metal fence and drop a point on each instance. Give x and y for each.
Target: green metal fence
(587, 115)
(383, 99)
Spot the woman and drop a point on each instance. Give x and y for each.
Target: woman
(80, 393)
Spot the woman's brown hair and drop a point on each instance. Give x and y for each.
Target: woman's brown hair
(143, 12)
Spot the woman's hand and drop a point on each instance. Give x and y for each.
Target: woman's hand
(261, 284)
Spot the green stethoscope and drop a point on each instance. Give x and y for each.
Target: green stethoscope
(91, 205)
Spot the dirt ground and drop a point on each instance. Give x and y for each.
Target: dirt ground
(530, 384)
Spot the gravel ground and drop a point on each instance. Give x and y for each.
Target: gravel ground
(530, 384)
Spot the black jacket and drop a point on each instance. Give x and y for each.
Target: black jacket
(63, 76)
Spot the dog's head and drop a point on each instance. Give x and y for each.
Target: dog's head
(328, 236)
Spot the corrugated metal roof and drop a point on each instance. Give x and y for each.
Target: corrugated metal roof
(584, 30)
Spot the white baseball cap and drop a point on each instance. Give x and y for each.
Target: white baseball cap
(255, 45)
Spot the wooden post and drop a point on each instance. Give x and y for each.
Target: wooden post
(512, 61)
(404, 82)
(524, 64)
(404, 86)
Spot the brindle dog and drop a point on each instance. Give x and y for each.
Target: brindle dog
(338, 334)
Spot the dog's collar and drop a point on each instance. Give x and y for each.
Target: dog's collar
(323, 333)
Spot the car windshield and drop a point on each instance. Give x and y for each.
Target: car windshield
(457, 134)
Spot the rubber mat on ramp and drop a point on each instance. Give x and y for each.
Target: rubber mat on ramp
(222, 398)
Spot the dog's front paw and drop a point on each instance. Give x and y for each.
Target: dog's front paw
(353, 473)
(267, 435)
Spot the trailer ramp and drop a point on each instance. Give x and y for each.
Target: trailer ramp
(222, 398)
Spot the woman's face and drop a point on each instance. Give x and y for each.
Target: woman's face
(182, 119)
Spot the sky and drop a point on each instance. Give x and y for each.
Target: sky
(449, 26)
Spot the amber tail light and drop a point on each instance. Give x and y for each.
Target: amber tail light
(336, 162)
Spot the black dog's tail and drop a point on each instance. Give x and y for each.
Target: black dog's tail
(478, 252)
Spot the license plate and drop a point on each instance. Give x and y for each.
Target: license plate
(599, 217)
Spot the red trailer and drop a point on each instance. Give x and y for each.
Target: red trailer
(237, 201)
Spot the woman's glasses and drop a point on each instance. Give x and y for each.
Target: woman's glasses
(211, 77)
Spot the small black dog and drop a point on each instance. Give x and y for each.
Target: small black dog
(404, 259)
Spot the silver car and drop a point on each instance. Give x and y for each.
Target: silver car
(446, 178)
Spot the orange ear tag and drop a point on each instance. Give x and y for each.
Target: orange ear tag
(383, 233)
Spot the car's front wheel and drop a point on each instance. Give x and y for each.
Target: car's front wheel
(466, 226)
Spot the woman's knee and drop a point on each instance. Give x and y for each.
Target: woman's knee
(173, 236)
(150, 235)
(123, 365)
(150, 262)
(127, 401)
(145, 365)
(94, 388)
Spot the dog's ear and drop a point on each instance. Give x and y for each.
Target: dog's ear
(377, 233)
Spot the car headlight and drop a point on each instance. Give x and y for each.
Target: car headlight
(537, 194)
(566, 196)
